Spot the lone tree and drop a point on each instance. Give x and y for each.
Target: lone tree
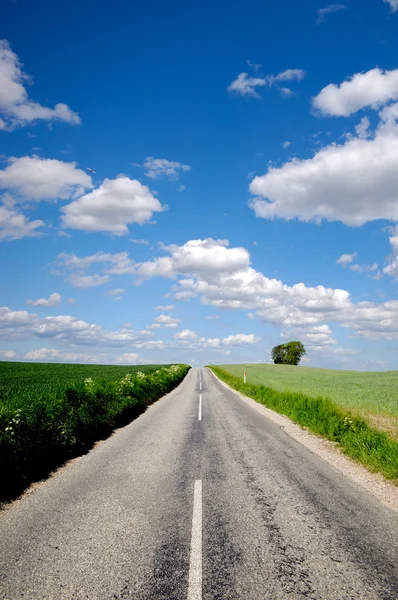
(288, 354)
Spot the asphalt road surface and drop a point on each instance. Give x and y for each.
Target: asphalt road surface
(200, 497)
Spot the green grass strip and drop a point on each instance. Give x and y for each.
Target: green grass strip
(373, 448)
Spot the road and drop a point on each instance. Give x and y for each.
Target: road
(200, 497)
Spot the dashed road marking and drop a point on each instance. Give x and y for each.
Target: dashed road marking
(200, 408)
(195, 561)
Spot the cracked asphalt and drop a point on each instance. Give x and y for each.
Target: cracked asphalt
(278, 522)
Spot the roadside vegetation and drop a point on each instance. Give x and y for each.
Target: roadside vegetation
(50, 413)
(371, 395)
(331, 404)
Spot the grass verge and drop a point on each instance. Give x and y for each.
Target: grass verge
(40, 431)
(373, 448)
(370, 395)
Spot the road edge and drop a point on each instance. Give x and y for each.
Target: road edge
(374, 483)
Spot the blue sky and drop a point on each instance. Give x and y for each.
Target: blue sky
(245, 189)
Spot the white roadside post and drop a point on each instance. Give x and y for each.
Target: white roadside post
(244, 377)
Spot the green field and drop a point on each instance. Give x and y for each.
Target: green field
(372, 395)
(52, 412)
(19, 381)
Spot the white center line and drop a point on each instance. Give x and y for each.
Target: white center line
(200, 386)
(195, 561)
(200, 408)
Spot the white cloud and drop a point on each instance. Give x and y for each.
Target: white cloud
(114, 205)
(362, 129)
(343, 352)
(239, 339)
(165, 308)
(143, 242)
(346, 259)
(86, 281)
(232, 283)
(75, 267)
(364, 268)
(7, 354)
(314, 338)
(393, 4)
(210, 342)
(116, 292)
(213, 317)
(200, 256)
(65, 328)
(392, 267)
(186, 335)
(184, 295)
(286, 144)
(164, 322)
(70, 301)
(14, 225)
(16, 108)
(244, 85)
(286, 92)
(373, 88)
(331, 8)
(38, 179)
(71, 261)
(373, 321)
(222, 277)
(255, 66)
(62, 356)
(42, 354)
(150, 345)
(157, 168)
(117, 264)
(53, 300)
(354, 183)
(14, 320)
(389, 116)
(130, 358)
(54, 355)
(289, 75)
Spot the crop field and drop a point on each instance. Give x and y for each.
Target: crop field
(372, 395)
(19, 381)
(52, 412)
